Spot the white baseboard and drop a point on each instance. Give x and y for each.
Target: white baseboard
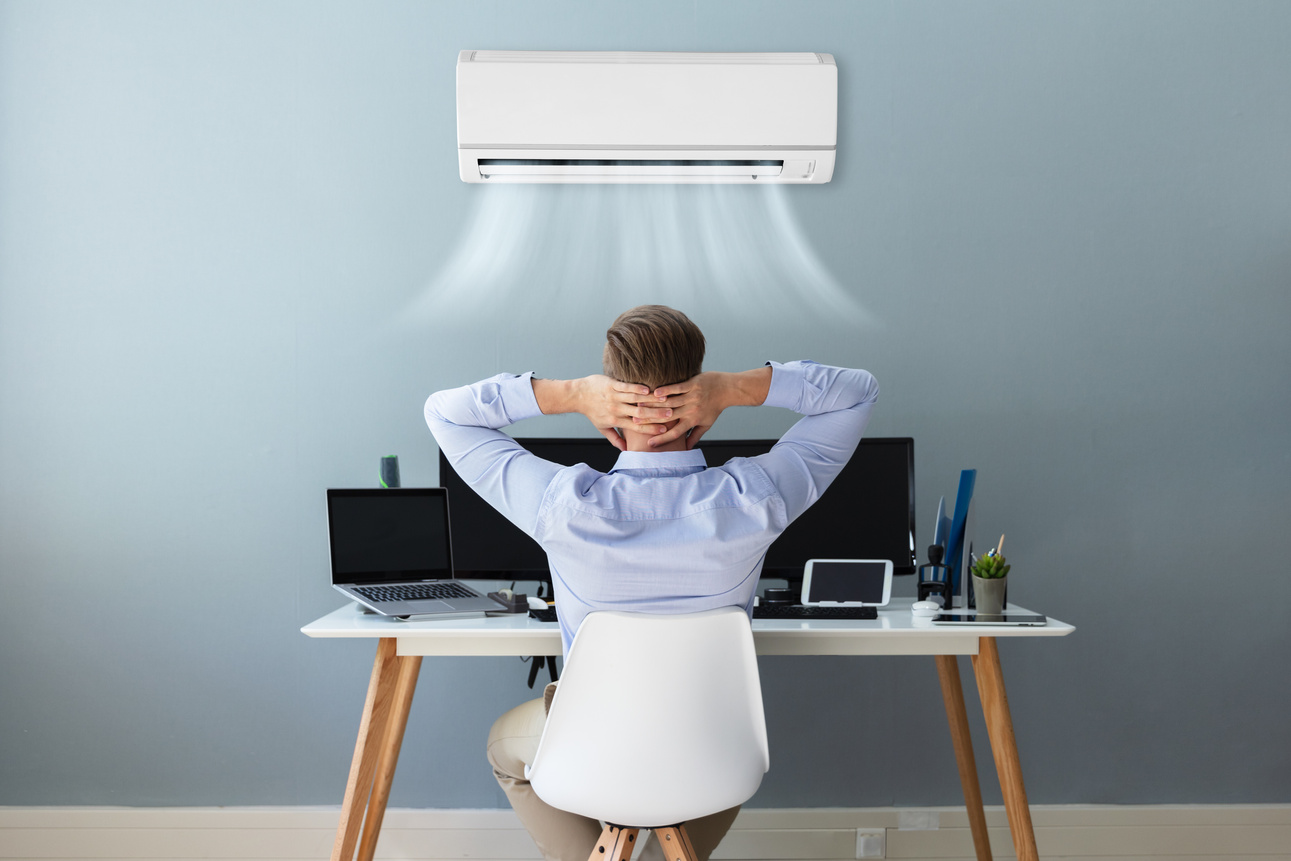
(1104, 833)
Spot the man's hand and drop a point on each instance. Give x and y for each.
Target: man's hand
(697, 402)
(610, 404)
(607, 403)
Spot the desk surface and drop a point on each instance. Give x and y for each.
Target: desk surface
(894, 632)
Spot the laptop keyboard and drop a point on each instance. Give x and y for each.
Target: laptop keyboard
(798, 611)
(414, 591)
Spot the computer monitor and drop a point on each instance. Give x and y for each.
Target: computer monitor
(867, 513)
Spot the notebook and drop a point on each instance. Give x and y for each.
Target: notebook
(391, 553)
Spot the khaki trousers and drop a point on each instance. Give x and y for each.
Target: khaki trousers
(563, 836)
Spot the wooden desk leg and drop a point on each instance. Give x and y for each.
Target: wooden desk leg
(372, 727)
(999, 725)
(406, 684)
(957, 716)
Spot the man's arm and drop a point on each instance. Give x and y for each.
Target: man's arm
(466, 422)
(836, 404)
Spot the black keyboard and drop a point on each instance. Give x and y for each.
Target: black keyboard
(547, 614)
(798, 611)
(414, 591)
(772, 611)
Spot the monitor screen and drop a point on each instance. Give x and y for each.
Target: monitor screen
(867, 513)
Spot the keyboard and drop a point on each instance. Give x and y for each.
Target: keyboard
(414, 591)
(772, 611)
(798, 611)
(545, 615)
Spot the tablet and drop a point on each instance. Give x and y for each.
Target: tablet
(847, 582)
(972, 618)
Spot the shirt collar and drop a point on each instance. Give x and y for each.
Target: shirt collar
(660, 460)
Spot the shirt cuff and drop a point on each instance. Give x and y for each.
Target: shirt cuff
(518, 400)
(786, 385)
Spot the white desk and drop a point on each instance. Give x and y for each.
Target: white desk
(401, 646)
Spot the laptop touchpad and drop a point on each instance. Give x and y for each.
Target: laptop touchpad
(411, 607)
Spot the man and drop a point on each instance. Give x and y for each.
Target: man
(661, 532)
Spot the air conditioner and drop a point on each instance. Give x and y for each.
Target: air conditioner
(581, 116)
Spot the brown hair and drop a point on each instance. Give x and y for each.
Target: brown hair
(653, 345)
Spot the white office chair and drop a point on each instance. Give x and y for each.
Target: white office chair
(657, 720)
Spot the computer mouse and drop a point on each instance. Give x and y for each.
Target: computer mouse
(536, 603)
(925, 608)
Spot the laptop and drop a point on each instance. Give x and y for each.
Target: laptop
(391, 553)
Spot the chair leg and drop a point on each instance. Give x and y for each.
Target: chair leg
(675, 843)
(616, 844)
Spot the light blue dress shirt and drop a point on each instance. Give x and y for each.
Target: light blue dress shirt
(661, 532)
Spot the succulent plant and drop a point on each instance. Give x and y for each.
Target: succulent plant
(991, 567)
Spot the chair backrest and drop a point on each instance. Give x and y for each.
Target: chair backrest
(657, 719)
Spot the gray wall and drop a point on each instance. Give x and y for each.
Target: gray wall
(1068, 227)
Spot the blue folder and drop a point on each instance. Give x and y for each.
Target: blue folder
(955, 542)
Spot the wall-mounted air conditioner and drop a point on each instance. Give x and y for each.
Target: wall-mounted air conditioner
(572, 116)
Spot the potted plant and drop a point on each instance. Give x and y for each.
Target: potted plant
(990, 579)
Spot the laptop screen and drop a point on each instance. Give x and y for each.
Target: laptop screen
(389, 535)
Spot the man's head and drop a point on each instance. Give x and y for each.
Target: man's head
(653, 345)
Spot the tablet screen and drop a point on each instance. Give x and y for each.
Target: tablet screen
(848, 581)
(971, 618)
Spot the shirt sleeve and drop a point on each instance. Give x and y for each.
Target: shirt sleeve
(836, 404)
(466, 423)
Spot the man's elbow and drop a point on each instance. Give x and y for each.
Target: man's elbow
(434, 409)
(862, 387)
(871, 389)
